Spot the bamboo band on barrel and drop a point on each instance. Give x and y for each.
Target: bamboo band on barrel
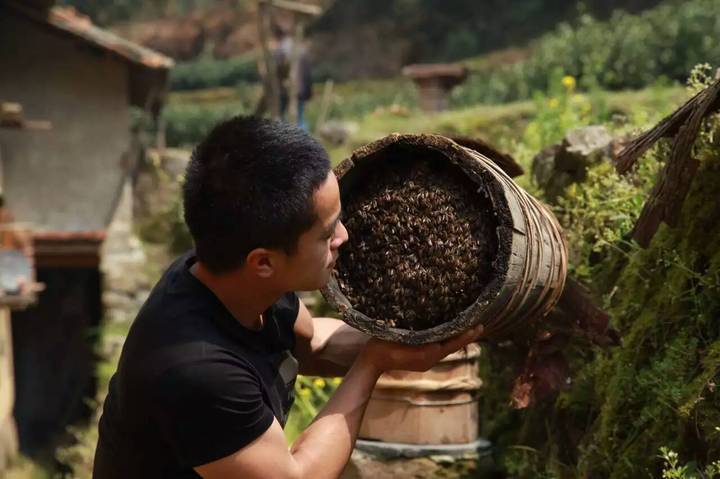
(537, 218)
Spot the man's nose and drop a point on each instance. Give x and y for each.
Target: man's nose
(341, 236)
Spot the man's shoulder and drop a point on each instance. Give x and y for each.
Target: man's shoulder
(176, 295)
(176, 327)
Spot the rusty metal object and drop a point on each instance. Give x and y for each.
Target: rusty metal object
(529, 267)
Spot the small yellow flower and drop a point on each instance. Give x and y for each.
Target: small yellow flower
(319, 383)
(553, 103)
(336, 381)
(305, 392)
(569, 82)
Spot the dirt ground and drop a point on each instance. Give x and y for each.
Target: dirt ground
(363, 466)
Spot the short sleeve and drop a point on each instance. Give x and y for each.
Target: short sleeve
(211, 408)
(287, 307)
(284, 312)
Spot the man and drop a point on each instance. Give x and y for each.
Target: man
(282, 55)
(205, 379)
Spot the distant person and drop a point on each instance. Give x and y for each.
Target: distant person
(282, 55)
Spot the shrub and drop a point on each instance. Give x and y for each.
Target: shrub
(187, 124)
(626, 51)
(210, 73)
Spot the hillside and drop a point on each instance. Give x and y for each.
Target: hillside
(354, 38)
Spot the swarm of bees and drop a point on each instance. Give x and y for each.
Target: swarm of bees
(422, 242)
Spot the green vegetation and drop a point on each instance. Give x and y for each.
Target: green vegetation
(673, 470)
(625, 51)
(310, 396)
(211, 73)
(436, 31)
(658, 389)
(522, 128)
(189, 115)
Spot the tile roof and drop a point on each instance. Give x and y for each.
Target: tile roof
(69, 21)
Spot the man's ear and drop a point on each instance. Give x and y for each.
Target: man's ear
(262, 262)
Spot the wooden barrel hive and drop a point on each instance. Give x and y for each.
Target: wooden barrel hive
(414, 203)
(439, 406)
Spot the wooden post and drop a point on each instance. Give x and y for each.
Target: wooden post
(325, 104)
(271, 85)
(8, 430)
(1, 177)
(161, 133)
(295, 73)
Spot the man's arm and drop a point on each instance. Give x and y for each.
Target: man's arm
(324, 448)
(325, 346)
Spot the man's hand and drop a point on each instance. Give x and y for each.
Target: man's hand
(386, 356)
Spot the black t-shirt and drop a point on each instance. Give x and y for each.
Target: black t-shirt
(193, 385)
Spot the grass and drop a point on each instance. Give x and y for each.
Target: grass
(503, 124)
(380, 107)
(498, 122)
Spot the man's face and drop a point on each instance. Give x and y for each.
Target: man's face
(310, 266)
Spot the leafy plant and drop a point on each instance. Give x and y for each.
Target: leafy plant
(673, 470)
(311, 394)
(626, 51)
(212, 73)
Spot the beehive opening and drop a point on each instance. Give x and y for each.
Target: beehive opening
(422, 238)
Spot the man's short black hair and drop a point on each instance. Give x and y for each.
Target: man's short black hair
(250, 184)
